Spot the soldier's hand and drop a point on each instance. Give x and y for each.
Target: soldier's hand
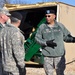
(74, 39)
(50, 43)
(22, 71)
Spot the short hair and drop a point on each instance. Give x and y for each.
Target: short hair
(13, 19)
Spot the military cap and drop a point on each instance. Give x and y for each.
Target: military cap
(5, 11)
(50, 12)
(16, 15)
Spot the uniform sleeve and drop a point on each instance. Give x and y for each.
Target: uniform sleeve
(18, 49)
(66, 34)
(38, 36)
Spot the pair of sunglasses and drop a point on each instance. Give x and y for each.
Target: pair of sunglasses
(47, 16)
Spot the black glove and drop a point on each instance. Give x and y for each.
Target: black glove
(22, 71)
(74, 39)
(50, 43)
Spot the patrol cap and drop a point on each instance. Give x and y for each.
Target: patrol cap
(5, 11)
(16, 15)
(50, 12)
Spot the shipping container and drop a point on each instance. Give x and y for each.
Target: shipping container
(33, 16)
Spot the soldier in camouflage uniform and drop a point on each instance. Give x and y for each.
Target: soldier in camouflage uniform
(4, 16)
(50, 36)
(12, 48)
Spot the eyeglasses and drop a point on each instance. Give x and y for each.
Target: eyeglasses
(47, 16)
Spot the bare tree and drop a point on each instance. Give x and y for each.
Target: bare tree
(2, 2)
(43, 0)
(50, 0)
(53, 0)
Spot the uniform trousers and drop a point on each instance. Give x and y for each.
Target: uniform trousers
(0, 66)
(9, 73)
(13, 72)
(16, 72)
(57, 63)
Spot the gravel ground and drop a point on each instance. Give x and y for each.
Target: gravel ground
(33, 69)
(40, 71)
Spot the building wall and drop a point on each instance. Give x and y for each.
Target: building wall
(67, 17)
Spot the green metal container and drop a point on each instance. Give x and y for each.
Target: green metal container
(32, 48)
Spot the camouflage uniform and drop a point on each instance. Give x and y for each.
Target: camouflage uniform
(54, 62)
(0, 52)
(0, 64)
(12, 48)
